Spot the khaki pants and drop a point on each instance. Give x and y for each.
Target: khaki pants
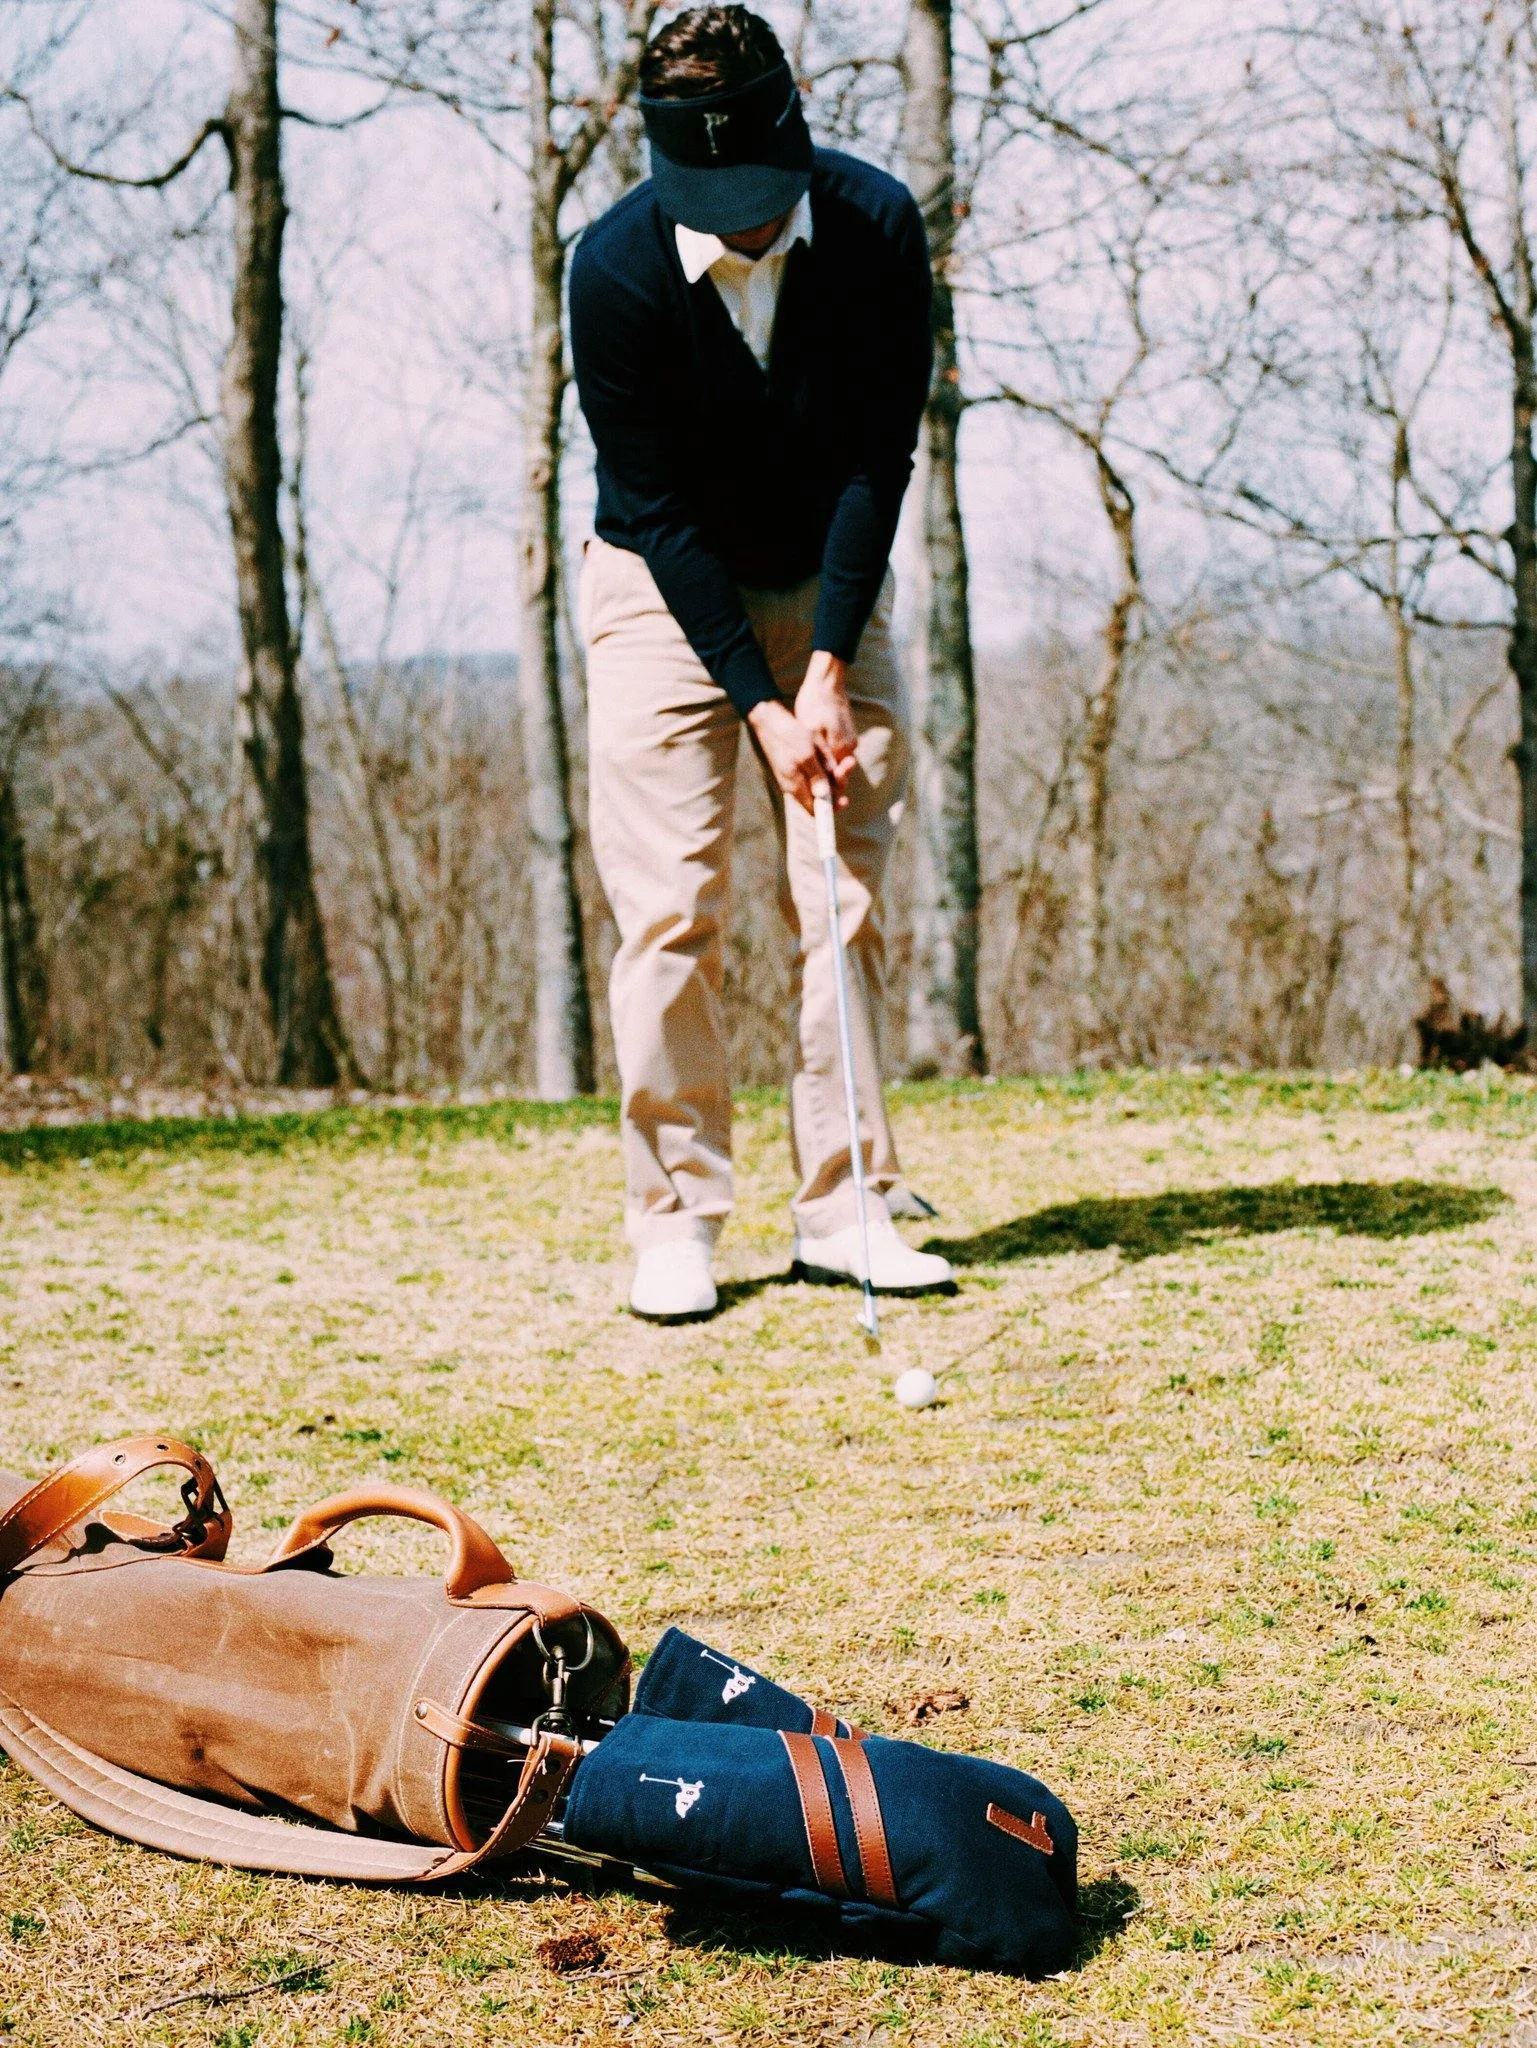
(662, 752)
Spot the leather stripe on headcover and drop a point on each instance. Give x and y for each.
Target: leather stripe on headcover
(869, 1824)
(823, 1723)
(817, 1812)
(158, 1817)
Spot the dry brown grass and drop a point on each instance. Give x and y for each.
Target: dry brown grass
(1227, 1526)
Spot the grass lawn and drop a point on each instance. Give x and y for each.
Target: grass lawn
(1226, 1527)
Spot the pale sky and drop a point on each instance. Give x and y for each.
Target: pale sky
(402, 275)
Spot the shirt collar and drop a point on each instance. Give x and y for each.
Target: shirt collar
(699, 253)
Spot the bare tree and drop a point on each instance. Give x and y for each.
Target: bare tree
(309, 1047)
(575, 74)
(1090, 425)
(1427, 120)
(23, 979)
(563, 1009)
(40, 274)
(944, 1023)
(1070, 339)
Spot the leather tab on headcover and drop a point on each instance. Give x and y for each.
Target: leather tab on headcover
(141, 1811)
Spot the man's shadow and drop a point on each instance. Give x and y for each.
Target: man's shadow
(1145, 1226)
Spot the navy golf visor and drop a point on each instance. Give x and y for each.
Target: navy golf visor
(730, 161)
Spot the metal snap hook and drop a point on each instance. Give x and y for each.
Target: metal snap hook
(590, 1649)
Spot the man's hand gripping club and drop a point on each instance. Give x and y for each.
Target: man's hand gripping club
(816, 741)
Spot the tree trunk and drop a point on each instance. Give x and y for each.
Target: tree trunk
(1403, 674)
(309, 1048)
(944, 1019)
(1103, 723)
(1523, 662)
(23, 988)
(563, 1056)
(1404, 687)
(1523, 537)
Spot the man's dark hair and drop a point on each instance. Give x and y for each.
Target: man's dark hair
(708, 50)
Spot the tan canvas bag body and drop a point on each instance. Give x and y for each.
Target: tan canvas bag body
(206, 1708)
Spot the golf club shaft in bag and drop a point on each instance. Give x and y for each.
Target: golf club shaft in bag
(827, 848)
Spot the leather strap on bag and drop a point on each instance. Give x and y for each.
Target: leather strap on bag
(77, 1490)
(817, 1812)
(461, 1734)
(180, 1824)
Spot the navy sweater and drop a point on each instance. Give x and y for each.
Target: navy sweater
(719, 475)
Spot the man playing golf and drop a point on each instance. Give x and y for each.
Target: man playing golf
(751, 338)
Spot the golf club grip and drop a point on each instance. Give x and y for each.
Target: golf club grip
(827, 845)
(826, 821)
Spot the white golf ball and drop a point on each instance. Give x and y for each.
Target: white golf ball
(916, 1388)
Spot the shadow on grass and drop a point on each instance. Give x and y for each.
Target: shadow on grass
(766, 1931)
(1143, 1226)
(347, 1128)
(732, 1293)
(1104, 1907)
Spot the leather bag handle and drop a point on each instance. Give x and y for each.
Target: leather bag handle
(78, 1489)
(474, 1561)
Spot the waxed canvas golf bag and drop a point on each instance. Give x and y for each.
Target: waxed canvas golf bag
(188, 1704)
(285, 1717)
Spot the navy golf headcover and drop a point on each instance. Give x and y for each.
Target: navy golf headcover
(955, 1858)
(685, 1680)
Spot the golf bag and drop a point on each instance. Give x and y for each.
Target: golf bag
(283, 1717)
(187, 1703)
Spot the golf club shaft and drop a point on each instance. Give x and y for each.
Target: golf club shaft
(511, 1732)
(827, 846)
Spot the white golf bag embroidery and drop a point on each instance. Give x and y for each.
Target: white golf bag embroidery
(737, 1683)
(687, 1798)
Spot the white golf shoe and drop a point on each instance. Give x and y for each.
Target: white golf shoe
(895, 1268)
(673, 1281)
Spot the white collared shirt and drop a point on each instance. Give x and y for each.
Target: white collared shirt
(748, 286)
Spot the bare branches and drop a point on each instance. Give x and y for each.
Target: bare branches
(616, 85)
(154, 181)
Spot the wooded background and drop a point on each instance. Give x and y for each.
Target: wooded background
(1220, 569)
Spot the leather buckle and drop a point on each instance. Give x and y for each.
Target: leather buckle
(201, 1512)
